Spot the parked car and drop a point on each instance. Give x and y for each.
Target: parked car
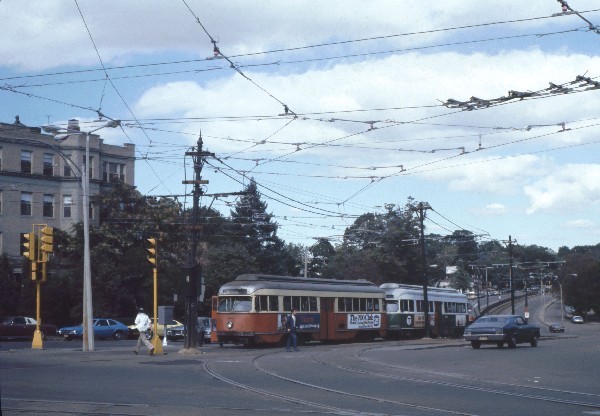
(500, 330)
(23, 327)
(577, 319)
(134, 333)
(555, 327)
(178, 332)
(103, 328)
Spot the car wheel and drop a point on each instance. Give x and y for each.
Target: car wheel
(476, 345)
(534, 341)
(512, 342)
(119, 335)
(500, 344)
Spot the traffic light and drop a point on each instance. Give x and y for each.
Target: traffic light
(29, 246)
(46, 245)
(153, 254)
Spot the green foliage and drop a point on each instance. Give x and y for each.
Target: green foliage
(11, 289)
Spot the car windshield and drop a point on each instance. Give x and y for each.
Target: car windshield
(235, 304)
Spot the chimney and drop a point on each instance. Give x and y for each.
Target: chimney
(73, 125)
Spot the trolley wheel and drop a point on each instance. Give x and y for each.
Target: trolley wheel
(476, 345)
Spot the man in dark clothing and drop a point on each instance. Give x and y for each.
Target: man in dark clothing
(291, 326)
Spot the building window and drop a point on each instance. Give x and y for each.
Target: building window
(113, 172)
(67, 203)
(91, 170)
(48, 206)
(26, 203)
(67, 167)
(48, 168)
(25, 161)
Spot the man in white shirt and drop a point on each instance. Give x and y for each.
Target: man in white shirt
(142, 323)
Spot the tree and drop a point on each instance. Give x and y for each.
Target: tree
(11, 289)
(252, 227)
(581, 282)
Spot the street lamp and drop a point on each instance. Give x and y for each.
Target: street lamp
(88, 330)
(560, 284)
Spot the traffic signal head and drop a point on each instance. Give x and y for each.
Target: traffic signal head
(152, 254)
(46, 245)
(29, 246)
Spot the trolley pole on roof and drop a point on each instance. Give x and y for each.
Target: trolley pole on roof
(194, 269)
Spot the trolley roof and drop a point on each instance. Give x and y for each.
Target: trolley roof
(398, 290)
(250, 283)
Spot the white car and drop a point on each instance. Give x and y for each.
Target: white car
(577, 319)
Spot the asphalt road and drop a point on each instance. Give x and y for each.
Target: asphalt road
(407, 377)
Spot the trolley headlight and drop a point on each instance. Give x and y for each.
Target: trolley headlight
(229, 325)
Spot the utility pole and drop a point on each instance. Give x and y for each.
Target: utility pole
(421, 209)
(510, 273)
(194, 270)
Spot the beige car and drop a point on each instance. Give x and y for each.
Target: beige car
(134, 333)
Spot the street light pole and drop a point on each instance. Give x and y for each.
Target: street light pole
(88, 322)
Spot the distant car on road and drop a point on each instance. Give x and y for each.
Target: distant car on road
(555, 327)
(103, 328)
(134, 333)
(178, 332)
(577, 319)
(23, 327)
(501, 329)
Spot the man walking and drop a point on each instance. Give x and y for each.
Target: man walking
(291, 325)
(142, 323)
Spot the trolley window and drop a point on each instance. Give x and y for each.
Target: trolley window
(454, 307)
(264, 303)
(358, 305)
(407, 305)
(300, 303)
(391, 306)
(235, 304)
(420, 307)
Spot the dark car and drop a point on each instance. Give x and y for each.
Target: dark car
(103, 328)
(500, 330)
(23, 327)
(178, 332)
(555, 327)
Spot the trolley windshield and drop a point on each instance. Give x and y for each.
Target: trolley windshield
(235, 304)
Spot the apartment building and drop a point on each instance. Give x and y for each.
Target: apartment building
(40, 178)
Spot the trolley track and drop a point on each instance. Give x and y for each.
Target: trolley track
(465, 387)
(461, 386)
(427, 409)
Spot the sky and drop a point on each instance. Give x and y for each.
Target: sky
(485, 110)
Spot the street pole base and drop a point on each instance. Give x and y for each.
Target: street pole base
(157, 344)
(38, 343)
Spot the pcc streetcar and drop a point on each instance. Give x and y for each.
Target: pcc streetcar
(253, 309)
(406, 314)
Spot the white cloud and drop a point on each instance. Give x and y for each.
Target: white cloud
(573, 187)
(580, 224)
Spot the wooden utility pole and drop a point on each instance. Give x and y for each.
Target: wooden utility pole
(421, 209)
(194, 270)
